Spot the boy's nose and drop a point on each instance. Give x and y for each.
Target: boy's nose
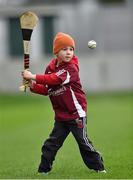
(68, 51)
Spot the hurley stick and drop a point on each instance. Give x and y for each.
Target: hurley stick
(28, 21)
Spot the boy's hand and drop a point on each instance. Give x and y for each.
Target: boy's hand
(28, 75)
(30, 84)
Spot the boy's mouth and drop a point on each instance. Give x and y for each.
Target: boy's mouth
(68, 57)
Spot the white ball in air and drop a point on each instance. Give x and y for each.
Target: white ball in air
(92, 44)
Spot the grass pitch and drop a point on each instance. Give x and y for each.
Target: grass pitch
(27, 120)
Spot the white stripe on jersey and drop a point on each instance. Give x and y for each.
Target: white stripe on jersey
(80, 111)
(60, 72)
(67, 79)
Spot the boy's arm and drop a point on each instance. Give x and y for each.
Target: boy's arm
(49, 79)
(63, 76)
(38, 89)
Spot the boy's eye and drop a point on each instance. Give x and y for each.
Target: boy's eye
(64, 49)
(70, 49)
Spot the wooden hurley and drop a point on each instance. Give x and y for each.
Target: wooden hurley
(28, 21)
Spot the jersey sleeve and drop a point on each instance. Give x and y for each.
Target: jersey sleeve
(48, 79)
(39, 89)
(63, 76)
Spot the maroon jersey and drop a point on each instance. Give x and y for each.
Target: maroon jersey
(67, 97)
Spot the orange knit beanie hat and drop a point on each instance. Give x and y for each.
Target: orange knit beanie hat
(62, 40)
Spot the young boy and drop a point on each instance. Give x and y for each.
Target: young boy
(62, 83)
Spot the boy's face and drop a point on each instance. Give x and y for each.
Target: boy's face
(65, 55)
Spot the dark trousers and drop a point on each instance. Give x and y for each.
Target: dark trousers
(77, 127)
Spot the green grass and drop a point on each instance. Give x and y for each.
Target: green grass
(26, 121)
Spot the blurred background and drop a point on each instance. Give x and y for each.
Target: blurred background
(106, 74)
(107, 68)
